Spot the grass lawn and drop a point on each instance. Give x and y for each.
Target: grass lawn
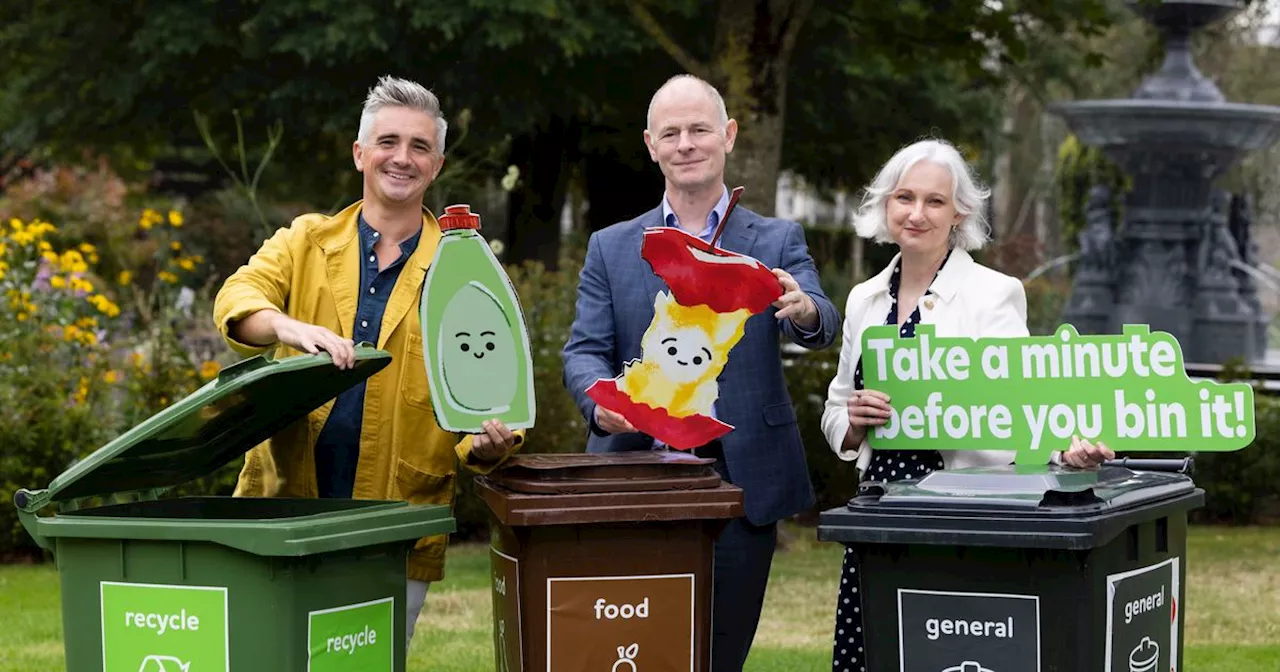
(1233, 609)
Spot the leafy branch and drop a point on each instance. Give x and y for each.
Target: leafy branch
(245, 183)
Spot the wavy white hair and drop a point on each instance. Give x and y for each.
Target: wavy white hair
(968, 195)
(396, 92)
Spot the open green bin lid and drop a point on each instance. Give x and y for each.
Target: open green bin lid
(246, 404)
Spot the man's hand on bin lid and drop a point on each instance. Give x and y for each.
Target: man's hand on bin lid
(313, 339)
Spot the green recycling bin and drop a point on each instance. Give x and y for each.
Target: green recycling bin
(205, 584)
(1026, 569)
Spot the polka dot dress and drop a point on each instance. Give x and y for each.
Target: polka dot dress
(848, 653)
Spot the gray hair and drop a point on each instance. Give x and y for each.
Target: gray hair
(711, 92)
(968, 195)
(396, 92)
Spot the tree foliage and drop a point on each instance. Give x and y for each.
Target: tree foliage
(559, 87)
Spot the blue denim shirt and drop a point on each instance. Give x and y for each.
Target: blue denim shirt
(338, 447)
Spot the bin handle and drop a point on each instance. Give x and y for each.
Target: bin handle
(28, 503)
(245, 366)
(1183, 465)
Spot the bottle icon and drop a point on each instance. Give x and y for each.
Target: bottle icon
(475, 342)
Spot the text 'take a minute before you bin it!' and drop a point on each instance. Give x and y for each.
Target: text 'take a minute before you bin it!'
(603, 562)
(1035, 569)
(221, 584)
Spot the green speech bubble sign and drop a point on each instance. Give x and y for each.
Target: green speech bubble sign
(1032, 394)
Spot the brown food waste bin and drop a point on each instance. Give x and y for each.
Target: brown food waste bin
(603, 562)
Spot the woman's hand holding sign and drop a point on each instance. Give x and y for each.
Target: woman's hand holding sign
(867, 408)
(1085, 455)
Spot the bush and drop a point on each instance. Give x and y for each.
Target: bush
(91, 353)
(55, 372)
(1241, 487)
(835, 481)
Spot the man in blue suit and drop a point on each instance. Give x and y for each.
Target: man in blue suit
(689, 135)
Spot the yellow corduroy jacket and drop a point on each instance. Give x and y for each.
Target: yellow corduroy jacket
(311, 272)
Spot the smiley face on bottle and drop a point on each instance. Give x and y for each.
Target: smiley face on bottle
(478, 351)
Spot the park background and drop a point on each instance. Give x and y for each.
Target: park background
(147, 148)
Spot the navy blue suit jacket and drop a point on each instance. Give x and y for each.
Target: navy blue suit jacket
(616, 291)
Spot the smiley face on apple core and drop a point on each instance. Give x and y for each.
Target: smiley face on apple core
(684, 354)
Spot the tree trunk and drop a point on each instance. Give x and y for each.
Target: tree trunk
(533, 232)
(753, 45)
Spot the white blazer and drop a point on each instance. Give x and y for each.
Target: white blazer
(969, 300)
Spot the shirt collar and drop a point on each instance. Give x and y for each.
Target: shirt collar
(713, 218)
(368, 236)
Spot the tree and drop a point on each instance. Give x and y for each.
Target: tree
(555, 87)
(865, 55)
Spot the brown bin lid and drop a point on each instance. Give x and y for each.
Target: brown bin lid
(642, 486)
(635, 471)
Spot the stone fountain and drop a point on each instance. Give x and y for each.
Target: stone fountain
(1175, 261)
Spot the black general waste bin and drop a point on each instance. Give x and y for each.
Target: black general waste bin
(1021, 569)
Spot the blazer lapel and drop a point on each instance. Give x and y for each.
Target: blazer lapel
(739, 233)
(652, 283)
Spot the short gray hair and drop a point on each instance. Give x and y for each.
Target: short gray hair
(396, 92)
(967, 193)
(711, 91)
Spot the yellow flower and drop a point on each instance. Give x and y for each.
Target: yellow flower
(16, 224)
(57, 282)
(87, 248)
(87, 323)
(45, 246)
(111, 377)
(22, 317)
(136, 360)
(209, 369)
(187, 264)
(79, 284)
(144, 224)
(50, 257)
(175, 219)
(72, 262)
(125, 277)
(175, 246)
(104, 305)
(195, 258)
(70, 332)
(168, 277)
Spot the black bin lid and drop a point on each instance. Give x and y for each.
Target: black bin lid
(1049, 489)
(1042, 506)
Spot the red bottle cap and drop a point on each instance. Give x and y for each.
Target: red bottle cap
(459, 217)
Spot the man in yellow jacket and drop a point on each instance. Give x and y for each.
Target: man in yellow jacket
(326, 283)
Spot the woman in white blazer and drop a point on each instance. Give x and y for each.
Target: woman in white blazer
(925, 200)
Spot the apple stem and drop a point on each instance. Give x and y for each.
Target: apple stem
(733, 200)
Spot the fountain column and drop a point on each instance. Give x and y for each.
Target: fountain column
(1173, 138)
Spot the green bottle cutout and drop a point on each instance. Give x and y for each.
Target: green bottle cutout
(476, 345)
